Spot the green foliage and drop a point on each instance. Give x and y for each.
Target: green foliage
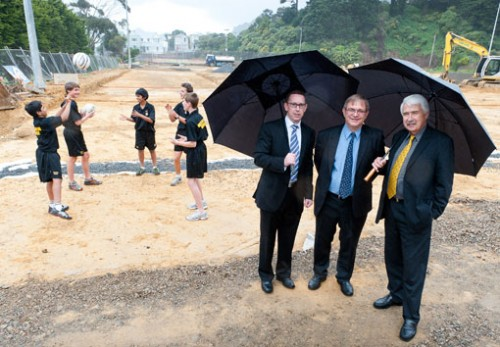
(116, 45)
(100, 29)
(212, 42)
(363, 31)
(57, 28)
(343, 54)
(480, 14)
(134, 52)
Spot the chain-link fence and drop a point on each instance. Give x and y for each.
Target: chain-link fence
(15, 65)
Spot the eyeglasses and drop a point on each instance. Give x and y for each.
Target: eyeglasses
(295, 105)
(354, 110)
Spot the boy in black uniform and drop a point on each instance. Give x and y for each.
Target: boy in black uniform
(178, 113)
(48, 160)
(74, 139)
(196, 157)
(143, 115)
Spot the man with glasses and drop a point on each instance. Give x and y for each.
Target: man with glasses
(343, 156)
(284, 152)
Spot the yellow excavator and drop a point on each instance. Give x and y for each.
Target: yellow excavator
(488, 69)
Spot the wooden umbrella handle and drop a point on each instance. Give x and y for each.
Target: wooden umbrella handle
(373, 172)
(370, 175)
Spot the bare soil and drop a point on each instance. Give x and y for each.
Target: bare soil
(128, 270)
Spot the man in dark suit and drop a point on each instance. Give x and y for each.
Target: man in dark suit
(343, 156)
(284, 152)
(416, 189)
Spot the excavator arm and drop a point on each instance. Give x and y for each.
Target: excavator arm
(453, 39)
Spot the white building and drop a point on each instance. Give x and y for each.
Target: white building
(181, 43)
(152, 43)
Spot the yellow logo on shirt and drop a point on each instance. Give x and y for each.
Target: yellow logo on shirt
(38, 131)
(202, 124)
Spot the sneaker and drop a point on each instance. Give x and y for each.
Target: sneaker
(74, 186)
(57, 213)
(156, 171)
(91, 182)
(140, 172)
(194, 207)
(197, 216)
(176, 181)
(63, 208)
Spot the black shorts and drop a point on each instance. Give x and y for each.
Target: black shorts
(75, 142)
(180, 148)
(49, 165)
(145, 139)
(196, 161)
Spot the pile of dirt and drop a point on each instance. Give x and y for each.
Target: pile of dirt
(17, 124)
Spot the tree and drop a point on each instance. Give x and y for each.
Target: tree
(212, 42)
(116, 45)
(481, 14)
(58, 29)
(341, 21)
(397, 7)
(96, 13)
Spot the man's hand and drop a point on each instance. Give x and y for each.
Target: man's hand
(379, 163)
(289, 159)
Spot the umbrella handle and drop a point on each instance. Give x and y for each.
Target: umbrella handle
(370, 175)
(373, 172)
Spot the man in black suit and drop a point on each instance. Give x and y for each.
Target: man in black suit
(416, 190)
(343, 156)
(284, 152)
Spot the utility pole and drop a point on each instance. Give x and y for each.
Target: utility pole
(494, 28)
(227, 33)
(300, 38)
(39, 83)
(432, 50)
(128, 37)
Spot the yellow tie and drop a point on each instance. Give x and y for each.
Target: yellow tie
(393, 177)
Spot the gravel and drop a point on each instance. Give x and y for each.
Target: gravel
(29, 311)
(165, 165)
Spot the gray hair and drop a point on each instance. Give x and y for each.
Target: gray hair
(415, 99)
(358, 97)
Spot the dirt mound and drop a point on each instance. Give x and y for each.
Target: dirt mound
(17, 124)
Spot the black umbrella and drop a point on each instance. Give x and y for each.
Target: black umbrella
(387, 82)
(254, 91)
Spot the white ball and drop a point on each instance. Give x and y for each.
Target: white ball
(81, 61)
(88, 109)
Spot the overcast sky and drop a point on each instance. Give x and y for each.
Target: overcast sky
(197, 16)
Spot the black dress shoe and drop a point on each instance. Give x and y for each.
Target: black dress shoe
(287, 282)
(267, 286)
(315, 282)
(346, 287)
(386, 302)
(408, 330)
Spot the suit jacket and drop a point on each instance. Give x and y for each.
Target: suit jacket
(428, 179)
(371, 145)
(271, 149)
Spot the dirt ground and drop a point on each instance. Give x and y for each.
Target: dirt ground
(129, 270)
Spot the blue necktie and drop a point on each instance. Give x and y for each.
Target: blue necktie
(345, 181)
(294, 148)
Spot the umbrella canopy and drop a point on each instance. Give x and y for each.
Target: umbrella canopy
(253, 94)
(387, 82)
